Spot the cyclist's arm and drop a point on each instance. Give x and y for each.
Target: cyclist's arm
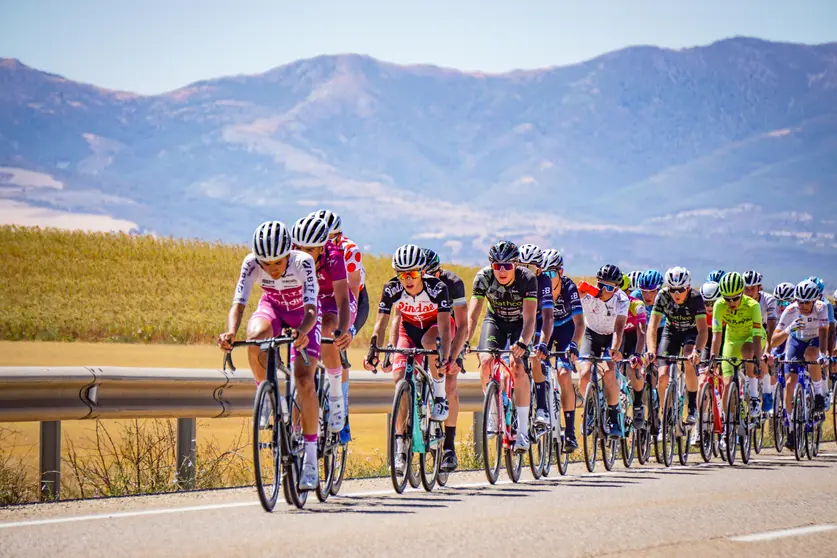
(234, 317)
(309, 320)
(578, 321)
(653, 325)
(474, 311)
(460, 316)
(380, 327)
(443, 321)
(823, 331)
(548, 321)
(717, 329)
(618, 331)
(640, 337)
(703, 333)
(530, 311)
(354, 278)
(344, 311)
(758, 330)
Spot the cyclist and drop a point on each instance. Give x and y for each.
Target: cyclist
(753, 289)
(459, 305)
(567, 332)
(710, 292)
(715, 276)
(783, 293)
(633, 343)
(531, 257)
(605, 314)
(632, 281)
(829, 309)
(424, 306)
(337, 306)
(289, 299)
(804, 325)
(649, 287)
(739, 318)
(356, 276)
(685, 331)
(512, 294)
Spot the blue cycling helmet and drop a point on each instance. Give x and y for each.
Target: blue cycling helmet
(818, 282)
(715, 276)
(651, 280)
(636, 293)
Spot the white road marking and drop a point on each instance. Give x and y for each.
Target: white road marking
(163, 511)
(782, 533)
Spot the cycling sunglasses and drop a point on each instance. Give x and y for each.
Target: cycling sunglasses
(505, 266)
(606, 287)
(415, 274)
(677, 290)
(551, 274)
(733, 298)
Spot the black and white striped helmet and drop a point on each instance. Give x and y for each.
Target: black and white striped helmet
(752, 278)
(806, 291)
(635, 276)
(271, 241)
(310, 232)
(552, 260)
(531, 254)
(335, 223)
(710, 291)
(784, 291)
(678, 277)
(408, 258)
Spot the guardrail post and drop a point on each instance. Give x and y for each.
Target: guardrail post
(186, 452)
(478, 434)
(50, 461)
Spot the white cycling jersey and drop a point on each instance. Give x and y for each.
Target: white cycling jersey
(801, 326)
(297, 287)
(769, 308)
(601, 316)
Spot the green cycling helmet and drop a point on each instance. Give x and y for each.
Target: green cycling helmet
(732, 284)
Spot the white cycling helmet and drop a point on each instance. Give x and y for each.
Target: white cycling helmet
(752, 278)
(710, 291)
(271, 241)
(678, 277)
(806, 291)
(784, 292)
(531, 254)
(310, 232)
(408, 258)
(634, 277)
(552, 260)
(335, 223)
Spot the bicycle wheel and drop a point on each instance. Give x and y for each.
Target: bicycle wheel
(590, 427)
(834, 409)
(514, 460)
(562, 458)
(758, 427)
(431, 459)
(492, 431)
(656, 430)
(341, 451)
(325, 450)
(608, 447)
(809, 423)
(733, 419)
(684, 442)
(402, 404)
(747, 428)
(778, 419)
(643, 435)
(798, 422)
(539, 443)
(266, 449)
(705, 426)
(669, 426)
(292, 464)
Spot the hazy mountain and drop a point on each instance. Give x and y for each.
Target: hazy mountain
(718, 155)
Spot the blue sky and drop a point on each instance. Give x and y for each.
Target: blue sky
(151, 46)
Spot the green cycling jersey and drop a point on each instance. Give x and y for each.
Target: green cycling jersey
(743, 323)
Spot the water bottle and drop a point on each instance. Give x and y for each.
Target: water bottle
(507, 408)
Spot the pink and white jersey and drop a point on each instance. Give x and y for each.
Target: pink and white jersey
(331, 267)
(809, 325)
(353, 258)
(297, 287)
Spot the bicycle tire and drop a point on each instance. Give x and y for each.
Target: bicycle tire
(705, 422)
(325, 447)
(778, 419)
(268, 491)
(293, 461)
(669, 427)
(492, 435)
(798, 422)
(810, 424)
(403, 396)
(747, 438)
(540, 443)
(834, 408)
(514, 460)
(733, 416)
(429, 471)
(643, 435)
(340, 454)
(590, 427)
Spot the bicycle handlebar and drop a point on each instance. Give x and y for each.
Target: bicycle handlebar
(264, 345)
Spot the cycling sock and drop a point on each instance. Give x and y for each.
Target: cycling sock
(439, 387)
(345, 386)
(637, 399)
(335, 383)
(754, 387)
(523, 419)
(540, 394)
(819, 387)
(569, 420)
(692, 400)
(766, 387)
(450, 438)
(311, 448)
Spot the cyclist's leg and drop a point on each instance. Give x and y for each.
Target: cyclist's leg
(409, 337)
(490, 338)
(264, 323)
(590, 347)
(360, 319)
(331, 360)
(689, 339)
(452, 394)
(670, 344)
(815, 372)
(562, 336)
(440, 400)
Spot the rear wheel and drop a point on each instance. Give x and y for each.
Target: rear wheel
(733, 419)
(492, 431)
(759, 426)
(705, 424)
(834, 406)
(514, 460)
(266, 448)
(643, 435)
(748, 431)
(325, 450)
(590, 427)
(401, 404)
(341, 452)
(810, 424)
(628, 443)
(539, 444)
(669, 426)
(778, 419)
(798, 422)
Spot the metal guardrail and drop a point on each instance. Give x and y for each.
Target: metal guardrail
(52, 394)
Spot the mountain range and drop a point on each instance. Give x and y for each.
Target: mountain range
(722, 155)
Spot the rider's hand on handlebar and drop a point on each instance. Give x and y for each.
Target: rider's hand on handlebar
(225, 341)
(573, 351)
(300, 340)
(649, 357)
(542, 350)
(635, 361)
(768, 358)
(342, 340)
(518, 349)
(616, 355)
(694, 358)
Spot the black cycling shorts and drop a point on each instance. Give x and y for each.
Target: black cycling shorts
(629, 342)
(595, 344)
(497, 334)
(673, 341)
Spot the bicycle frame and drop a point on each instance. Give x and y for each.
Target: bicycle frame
(502, 375)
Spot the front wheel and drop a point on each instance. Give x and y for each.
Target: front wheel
(514, 460)
(492, 431)
(733, 420)
(401, 443)
(705, 423)
(748, 431)
(669, 425)
(778, 419)
(266, 448)
(798, 422)
(341, 452)
(590, 427)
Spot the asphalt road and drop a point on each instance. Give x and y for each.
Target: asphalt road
(774, 506)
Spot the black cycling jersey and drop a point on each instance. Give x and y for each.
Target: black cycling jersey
(456, 287)
(505, 302)
(680, 317)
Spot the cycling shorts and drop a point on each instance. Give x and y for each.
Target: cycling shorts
(409, 337)
(732, 349)
(498, 334)
(595, 344)
(673, 341)
(280, 318)
(562, 336)
(796, 351)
